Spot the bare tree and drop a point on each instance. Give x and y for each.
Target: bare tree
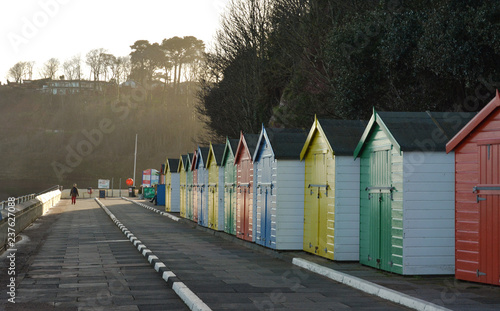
(96, 61)
(232, 96)
(50, 68)
(124, 68)
(72, 68)
(16, 72)
(28, 70)
(120, 69)
(108, 63)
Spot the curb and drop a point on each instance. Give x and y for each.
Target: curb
(369, 287)
(346, 279)
(174, 218)
(188, 297)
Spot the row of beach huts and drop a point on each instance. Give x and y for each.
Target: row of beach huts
(412, 193)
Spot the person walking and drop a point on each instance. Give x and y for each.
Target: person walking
(74, 193)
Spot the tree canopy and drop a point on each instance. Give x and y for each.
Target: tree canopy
(280, 62)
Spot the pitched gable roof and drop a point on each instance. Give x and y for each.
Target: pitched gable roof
(172, 165)
(342, 135)
(183, 159)
(218, 151)
(416, 131)
(491, 107)
(285, 143)
(229, 148)
(247, 141)
(202, 155)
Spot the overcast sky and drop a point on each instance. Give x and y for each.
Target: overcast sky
(36, 30)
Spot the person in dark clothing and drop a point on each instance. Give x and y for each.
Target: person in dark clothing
(74, 193)
(155, 198)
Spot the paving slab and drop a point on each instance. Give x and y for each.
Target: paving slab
(228, 276)
(75, 258)
(443, 291)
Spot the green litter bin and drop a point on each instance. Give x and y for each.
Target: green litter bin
(149, 192)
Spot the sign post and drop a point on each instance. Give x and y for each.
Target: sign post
(102, 184)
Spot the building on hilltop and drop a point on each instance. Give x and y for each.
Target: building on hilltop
(66, 87)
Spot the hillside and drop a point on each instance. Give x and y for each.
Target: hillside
(65, 139)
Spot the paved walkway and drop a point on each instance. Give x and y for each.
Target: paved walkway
(75, 258)
(443, 291)
(229, 276)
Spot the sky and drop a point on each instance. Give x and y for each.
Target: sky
(37, 30)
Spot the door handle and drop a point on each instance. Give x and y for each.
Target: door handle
(479, 199)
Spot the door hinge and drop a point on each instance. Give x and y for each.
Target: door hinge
(479, 273)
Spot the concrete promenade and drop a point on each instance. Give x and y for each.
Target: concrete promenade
(76, 258)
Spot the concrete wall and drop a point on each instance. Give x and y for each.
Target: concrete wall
(95, 193)
(26, 213)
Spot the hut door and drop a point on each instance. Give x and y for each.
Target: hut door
(183, 201)
(168, 191)
(319, 210)
(380, 197)
(202, 217)
(266, 193)
(189, 202)
(243, 214)
(232, 209)
(229, 212)
(195, 201)
(488, 198)
(211, 207)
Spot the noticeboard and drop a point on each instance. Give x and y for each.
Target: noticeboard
(103, 184)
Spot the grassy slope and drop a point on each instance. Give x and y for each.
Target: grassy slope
(37, 131)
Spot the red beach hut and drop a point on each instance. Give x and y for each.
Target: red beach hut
(477, 196)
(244, 186)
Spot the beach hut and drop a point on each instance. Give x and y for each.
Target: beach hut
(244, 185)
(181, 169)
(160, 194)
(202, 185)
(279, 184)
(189, 187)
(477, 196)
(331, 189)
(162, 174)
(407, 192)
(194, 188)
(172, 185)
(215, 187)
(230, 185)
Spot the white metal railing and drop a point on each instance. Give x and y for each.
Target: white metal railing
(27, 197)
(19, 200)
